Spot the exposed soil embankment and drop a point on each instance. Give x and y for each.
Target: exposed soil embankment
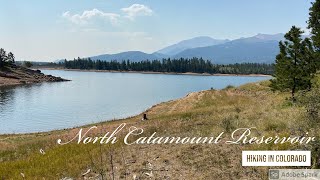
(15, 75)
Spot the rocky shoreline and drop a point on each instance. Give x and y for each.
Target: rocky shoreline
(17, 75)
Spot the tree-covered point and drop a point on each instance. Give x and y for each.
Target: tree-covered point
(6, 58)
(194, 65)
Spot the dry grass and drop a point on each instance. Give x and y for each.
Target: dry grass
(203, 113)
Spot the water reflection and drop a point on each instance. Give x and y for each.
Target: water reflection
(6, 95)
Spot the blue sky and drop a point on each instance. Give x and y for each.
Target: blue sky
(54, 29)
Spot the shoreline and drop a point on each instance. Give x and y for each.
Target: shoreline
(8, 135)
(14, 75)
(152, 72)
(8, 83)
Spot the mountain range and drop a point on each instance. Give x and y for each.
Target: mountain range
(261, 48)
(196, 42)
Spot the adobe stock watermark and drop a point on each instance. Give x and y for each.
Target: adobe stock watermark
(294, 174)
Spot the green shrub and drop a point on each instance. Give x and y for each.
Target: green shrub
(229, 87)
(228, 124)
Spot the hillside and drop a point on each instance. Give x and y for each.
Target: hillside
(15, 75)
(204, 113)
(129, 55)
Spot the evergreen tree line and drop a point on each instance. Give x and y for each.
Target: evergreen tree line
(182, 65)
(299, 58)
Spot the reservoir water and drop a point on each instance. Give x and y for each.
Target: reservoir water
(96, 96)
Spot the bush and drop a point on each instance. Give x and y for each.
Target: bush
(311, 101)
(229, 87)
(228, 124)
(27, 64)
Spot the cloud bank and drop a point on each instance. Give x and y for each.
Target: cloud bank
(91, 16)
(87, 16)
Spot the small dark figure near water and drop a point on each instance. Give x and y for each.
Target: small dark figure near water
(144, 117)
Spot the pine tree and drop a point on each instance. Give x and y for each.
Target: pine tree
(314, 23)
(314, 26)
(293, 69)
(3, 56)
(10, 58)
(6, 58)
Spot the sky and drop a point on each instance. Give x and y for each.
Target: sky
(56, 29)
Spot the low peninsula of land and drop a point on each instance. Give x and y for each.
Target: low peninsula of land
(12, 74)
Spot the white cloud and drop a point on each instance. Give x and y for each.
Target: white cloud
(95, 19)
(91, 15)
(137, 10)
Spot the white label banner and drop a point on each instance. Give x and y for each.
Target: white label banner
(276, 158)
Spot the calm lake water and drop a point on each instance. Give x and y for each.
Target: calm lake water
(96, 96)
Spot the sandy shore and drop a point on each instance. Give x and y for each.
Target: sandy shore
(151, 72)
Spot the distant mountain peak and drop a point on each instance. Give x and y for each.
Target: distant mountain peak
(276, 37)
(202, 38)
(261, 48)
(200, 41)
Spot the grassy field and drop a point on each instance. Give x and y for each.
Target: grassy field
(203, 114)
